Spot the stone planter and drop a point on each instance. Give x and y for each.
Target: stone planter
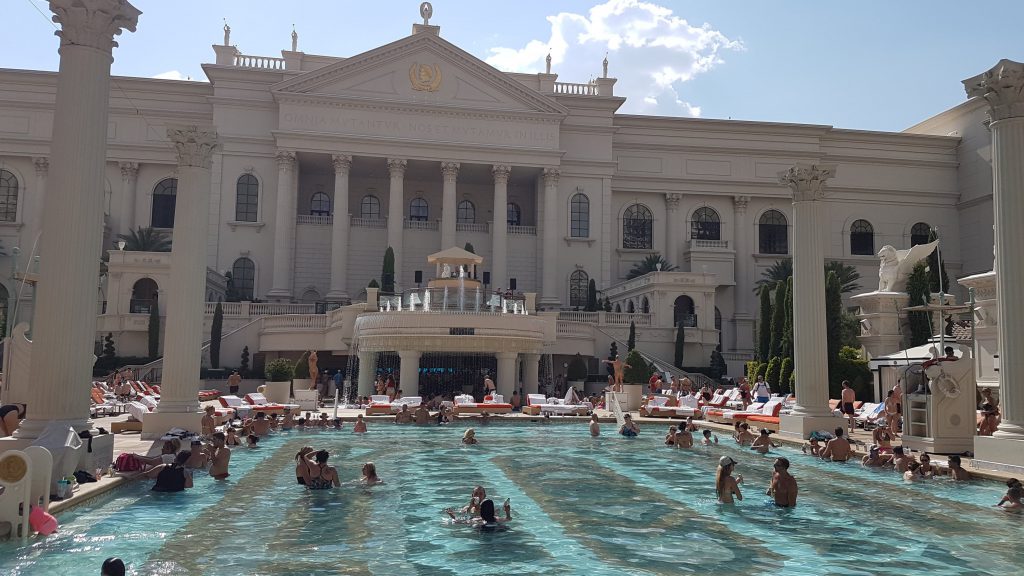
(630, 397)
(301, 384)
(306, 399)
(278, 392)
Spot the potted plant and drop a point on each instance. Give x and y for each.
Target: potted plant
(576, 374)
(279, 374)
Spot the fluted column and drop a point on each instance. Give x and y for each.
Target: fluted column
(409, 371)
(499, 230)
(1003, 89)
(186, 287)
(129, 177)
(34, 216)
(531, 367)
(449, 214)
(367, 373)
(284, 227)
(340, 229)
(396, 219)
(742, 318)
(550, 285)
(506, 374)
(65, 316)
(672, 228)
(810, 336)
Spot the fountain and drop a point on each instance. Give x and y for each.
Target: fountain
(462, 288)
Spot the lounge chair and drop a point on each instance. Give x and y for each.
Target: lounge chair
(259, 404)
(102, 405)
(769, 416)
(206, 395)
(658, 407)
(567, 406)
(17, 491)
(466, 404)
(242, 410)
(380, 404)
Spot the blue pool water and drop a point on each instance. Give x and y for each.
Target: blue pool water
(580, 505)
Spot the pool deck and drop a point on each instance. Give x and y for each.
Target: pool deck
(131, 442)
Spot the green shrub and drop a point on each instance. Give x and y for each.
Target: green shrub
(639, 371)
(280, 370)
(577, 369)
(773, 372)
(786, 376)
(850, 366)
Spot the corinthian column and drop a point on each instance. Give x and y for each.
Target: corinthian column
(499, 231)
(671, 228)
(810, 337)
(186, 287)
(1002, 87)
(65, 315)
(396, 219)
(339, 229)
(129, 176)
(35, 206)
(550, 287)
(450, 175)
(742, 320)
(284, 227)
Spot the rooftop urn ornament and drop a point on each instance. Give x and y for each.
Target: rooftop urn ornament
(295, 39)
(426, 11)
(896, 265)
(604, 65)
(227, 33)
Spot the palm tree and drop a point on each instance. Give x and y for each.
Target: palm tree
(649, 264)
(145, 240)
(783, 269)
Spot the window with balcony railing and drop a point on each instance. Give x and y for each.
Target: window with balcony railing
(706, 225)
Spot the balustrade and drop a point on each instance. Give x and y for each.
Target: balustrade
(421, 225)
(522, 230)
(265, 62)
(293, 321)
(369, 222)
(576, 89)
(323, 219)
(471, 227)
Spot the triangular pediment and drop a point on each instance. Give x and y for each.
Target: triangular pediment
(422, 69)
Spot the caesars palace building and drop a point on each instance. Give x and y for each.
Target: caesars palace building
(324, 161)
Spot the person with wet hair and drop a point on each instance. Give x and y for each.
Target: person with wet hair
(320, 476)
(112, 567)
(172, 477)
(762, 443)
(783, 486)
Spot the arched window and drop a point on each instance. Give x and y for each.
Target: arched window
(243, 277)
(310, 296)
(144, 296)
(645, 306)
(320, 204)
(578, 284)
(466, 213)
(164, 195)
(513, 214)
(772, 233)
(247, 197)
(706, 225)
(369, 208)
(637, 227)
(683, 311)
(579, 216)
(419, 211)
(629, 307)
(919, 233)
(862, 238)
(8, 196)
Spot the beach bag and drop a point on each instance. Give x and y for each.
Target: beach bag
(127, 463)
(42, 521)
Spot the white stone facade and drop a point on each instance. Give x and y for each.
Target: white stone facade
(421, 119)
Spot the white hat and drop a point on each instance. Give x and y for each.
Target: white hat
(726, 461)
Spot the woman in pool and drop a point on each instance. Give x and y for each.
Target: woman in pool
(629, 429)
(725, 485)
(470, 437)
(302, 463)
(744, 437)
(763, 442)
(370, 475)
(883, 439)
(360, 426)
(595, 427)
(708, 439)
(926, 470)
(689, 426)
(232, 437)
(670, 438)
(1011, 500)
(320, 476)
(172, 477)
(487, 520)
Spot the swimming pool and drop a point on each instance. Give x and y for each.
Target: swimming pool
(580, 505)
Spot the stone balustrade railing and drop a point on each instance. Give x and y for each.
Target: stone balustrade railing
(369, 222)
(421, 225)
(245, 309)
(576, 89)
(609, 318)
(522, 230)
(699, 243)
(265, 62)
(471, 227)
(295, 322)
(323, 219)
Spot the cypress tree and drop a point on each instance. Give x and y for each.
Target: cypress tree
(680, 345)
(216, 331)
(833, 320)
(387, 276)
(785, 375)
(773, 373)
(613, 352)
(764, 325)
(918, 289)
(778, 321)
(591, 296)
(154, 329)
(109, 353)
(631, 341)
(607, 305)
(787, 329)
(936, 271)
(243, 367)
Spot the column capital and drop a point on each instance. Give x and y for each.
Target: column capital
(285, 159)
(505, 355)
(450, 170)
(194, 145)
(551, 176)
(807, 181)
(129, 170)
(42, 164)
(672, 200)
(342, 163)
(93, 24)
(1002, 86)
(501, 172)
(396, 166)
(739, 203)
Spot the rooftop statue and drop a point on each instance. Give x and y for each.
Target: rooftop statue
(896, 265)
(426, 11)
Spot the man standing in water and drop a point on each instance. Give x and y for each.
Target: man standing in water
(783, 487)
(220, 456)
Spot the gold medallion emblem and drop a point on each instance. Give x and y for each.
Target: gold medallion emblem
(12, 469)
(424, 77)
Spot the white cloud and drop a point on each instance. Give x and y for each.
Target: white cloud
(651, 51)
(170, 75)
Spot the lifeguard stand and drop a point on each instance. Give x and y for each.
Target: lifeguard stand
(942, 419)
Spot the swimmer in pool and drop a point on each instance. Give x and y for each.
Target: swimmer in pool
(629, 429)
(670, 438)
(360, 426)
(783, 487)
(595, 427)
(707, 440)
(725, 485)
(487, 520)
(684, 439)
(763, 442)
(370, 475)
(1011, 500)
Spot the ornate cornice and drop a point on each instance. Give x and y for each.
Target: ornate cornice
(500, 173)
(285, 159)
(94, 23)
(807, 181)
(194, 146)
(129, 170)
(740, 203)
(42, 164)
(1002, 87)
(672, 200)
(342, 163)
(551, 176)
(396, 166)
(450, 171)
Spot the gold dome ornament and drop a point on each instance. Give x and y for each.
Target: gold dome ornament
(425, 77)
(12, 469)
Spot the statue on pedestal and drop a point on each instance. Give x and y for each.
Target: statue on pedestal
(896, 265)
(313, 369)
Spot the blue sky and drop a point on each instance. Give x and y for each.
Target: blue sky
(870, 64)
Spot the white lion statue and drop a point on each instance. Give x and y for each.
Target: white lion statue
(896, 265)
